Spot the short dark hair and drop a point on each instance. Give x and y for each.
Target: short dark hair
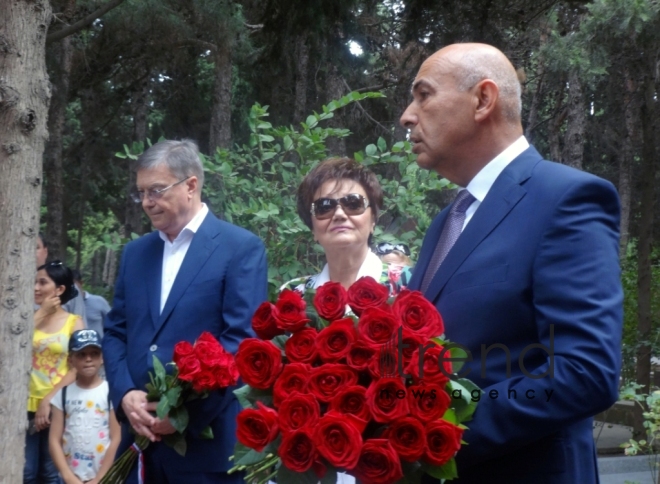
(76, 275)
(61, 276)
(337, 169)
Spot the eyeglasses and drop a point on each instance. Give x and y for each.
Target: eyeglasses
(351, 204)
(385, 248)
(152, 194)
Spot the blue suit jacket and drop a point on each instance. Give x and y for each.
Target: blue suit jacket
(222, 280)
(537, 264)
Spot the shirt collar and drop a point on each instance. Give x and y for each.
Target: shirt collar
(190, 229)
(481, 183)
(372, 266)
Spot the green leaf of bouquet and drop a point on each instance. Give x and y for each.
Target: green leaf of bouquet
(244, 456)
(464, 412)
(458, 355)
(279, 341)
(159, 369)
(177, 442)
(248, 396)
(207, 433)
(450, 416)
(179, 418)
(163, 407)
(447, 471)
(173, 395)
(412, 473)
(290, 477)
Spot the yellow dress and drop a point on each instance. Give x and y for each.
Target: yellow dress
(49, 361)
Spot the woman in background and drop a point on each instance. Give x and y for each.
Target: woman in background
(50, 371)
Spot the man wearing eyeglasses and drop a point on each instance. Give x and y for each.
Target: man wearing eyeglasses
(194, 273)
(524, 269)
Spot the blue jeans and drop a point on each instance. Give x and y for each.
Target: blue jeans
(39, 467)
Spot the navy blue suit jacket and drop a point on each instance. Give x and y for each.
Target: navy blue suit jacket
(537, 264)
(222, 280)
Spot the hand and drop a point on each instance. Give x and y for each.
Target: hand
(134, 405)
(93, 481)
(51, 304)
(42, 417)
(73, 479)
(161, 427)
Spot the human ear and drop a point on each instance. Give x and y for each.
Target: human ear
(486, 95)
(59, 290)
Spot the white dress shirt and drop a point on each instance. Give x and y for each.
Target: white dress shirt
(483, 181)
(372, 266)
(175, 251)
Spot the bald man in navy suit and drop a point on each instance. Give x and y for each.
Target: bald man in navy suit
(531, 266)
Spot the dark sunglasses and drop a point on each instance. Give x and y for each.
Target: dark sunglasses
(351, 204)
(385, 248)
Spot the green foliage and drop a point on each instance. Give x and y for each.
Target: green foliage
(632, 340)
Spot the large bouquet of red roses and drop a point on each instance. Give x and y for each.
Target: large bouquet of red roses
(197, 370)
(367, 391)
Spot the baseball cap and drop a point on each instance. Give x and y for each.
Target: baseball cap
(83, 338)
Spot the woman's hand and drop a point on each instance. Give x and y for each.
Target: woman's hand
(48, 307)
(42, 417)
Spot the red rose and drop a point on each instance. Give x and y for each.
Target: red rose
(186, 361)
(204, 381)
(338, 440)
(330, 300)
(289, 311)
(366, 293)
(409, 343)
(223, 366)
(259, 362)
(294, 378)
(325, 381)
(359, 355)
(352, 400)
(418, 315)
(334, 342)
(257, 427)
(301, 346)
(387, 399)
(385, 363)
(297, 450)
(408, 438)
(379, 463)
(298, 411)
(443, 440)
(431, 370)
(378, 327)
(263, 321)
(428, 401)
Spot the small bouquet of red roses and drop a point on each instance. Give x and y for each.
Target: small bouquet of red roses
(368, 391)
(198, 370)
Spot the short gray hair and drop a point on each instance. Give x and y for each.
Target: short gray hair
(180, 157)
(474, 68)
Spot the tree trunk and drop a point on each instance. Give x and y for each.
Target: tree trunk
(554, 127)
(645, 246)
(575, 123)
(133, 221)
(61, 54)
(334, 88)
(220, 136)
(627, 156)
(301, 62)
(24, 97)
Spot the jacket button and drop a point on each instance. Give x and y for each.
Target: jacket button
(153, 348)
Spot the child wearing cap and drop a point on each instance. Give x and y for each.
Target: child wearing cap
(84, 432)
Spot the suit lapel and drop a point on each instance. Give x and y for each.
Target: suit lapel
(430, 241)
(153, 274)
(505, 193)
(202, 245)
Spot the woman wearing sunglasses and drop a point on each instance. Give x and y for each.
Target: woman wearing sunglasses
(339, 201)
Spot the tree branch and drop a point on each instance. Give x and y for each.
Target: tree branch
(81, 24)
